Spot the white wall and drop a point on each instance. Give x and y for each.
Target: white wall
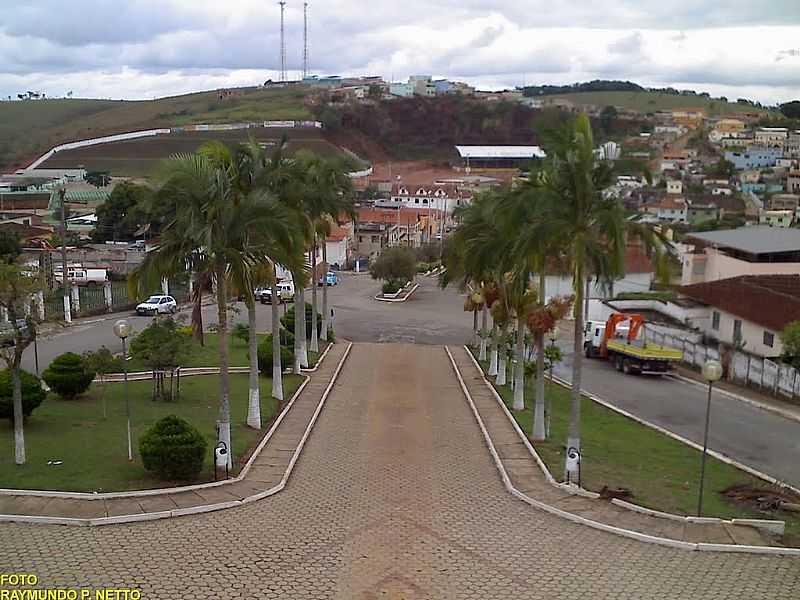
(721, 266)
(752, 334)
(562, 286)
(337, 252)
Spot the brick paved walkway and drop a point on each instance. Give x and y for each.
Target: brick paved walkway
(395, 497)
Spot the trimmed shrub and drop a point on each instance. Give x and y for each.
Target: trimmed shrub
(287, 321)
(392, 286)
(68, 375)
(33, 394)
(265, 356)
(173, 449)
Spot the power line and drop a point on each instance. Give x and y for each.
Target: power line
(282, 4)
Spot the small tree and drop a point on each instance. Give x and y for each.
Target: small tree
(68, 375)
(173, 449)
(242, 332)
(790, 339)
(103, 362)
(16, 288)
(265, 354)
(162, 347)
(397, 263)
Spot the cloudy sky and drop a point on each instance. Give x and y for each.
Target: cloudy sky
(146, 48)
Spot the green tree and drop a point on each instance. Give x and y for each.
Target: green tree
(791, 110)
(396, 263)
(173, 449)
(162, 347)
(790, 339)
(607, 117)
(122, 214)
(68, 375)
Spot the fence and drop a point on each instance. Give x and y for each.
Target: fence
(749, 370)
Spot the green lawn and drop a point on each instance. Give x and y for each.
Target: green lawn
(661, 472)
(94, 450)
(208, 355)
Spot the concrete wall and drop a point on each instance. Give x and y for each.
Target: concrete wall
(721, 266)
(752, 334)
(562, 286)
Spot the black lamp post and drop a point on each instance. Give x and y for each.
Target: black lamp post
(712, 371)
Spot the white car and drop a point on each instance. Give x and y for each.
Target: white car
(285, 293)
(161, 305)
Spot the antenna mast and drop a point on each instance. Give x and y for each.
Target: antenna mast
(282, 4)
(305, 40)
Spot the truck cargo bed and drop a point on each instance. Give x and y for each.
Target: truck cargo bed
(646, 352)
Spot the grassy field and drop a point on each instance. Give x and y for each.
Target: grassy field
(647, 102)
(94, 450)
(136, 158)
(662, 473)
(208, 355)
(28, 129)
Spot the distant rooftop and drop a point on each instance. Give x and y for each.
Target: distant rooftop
(511, 152)
(753, 240)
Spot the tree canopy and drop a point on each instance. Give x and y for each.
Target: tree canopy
(395, 263)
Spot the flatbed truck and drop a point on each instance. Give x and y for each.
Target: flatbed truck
(619, 344)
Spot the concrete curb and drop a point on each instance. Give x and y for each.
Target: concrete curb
(786, 414)
(174, 490)
(582, 520)
(206, 508)
(403, 299)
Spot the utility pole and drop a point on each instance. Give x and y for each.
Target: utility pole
(282, 4)
(305, 40)
(65, 272)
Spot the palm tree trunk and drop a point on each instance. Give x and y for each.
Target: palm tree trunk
(539, 431)
(519, 371)
(324, 332)
(303, 330)
(474, 327)
(224, 423)
(277, 368)
(574, 431)
(314, 335)
(484, 319)
(254, 402)
(298, 333)
(493, 353)
(197, 308)
(502, 366)
(19, 435)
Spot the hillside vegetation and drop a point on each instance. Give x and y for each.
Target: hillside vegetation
(648, 102)
(30, 128)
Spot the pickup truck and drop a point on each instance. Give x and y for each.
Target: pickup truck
(605, 339)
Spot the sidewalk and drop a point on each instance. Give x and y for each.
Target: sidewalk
(265, 473)
(528, 479)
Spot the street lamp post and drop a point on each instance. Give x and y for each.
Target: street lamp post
(553, 337)
(712, 371)
(122, 329)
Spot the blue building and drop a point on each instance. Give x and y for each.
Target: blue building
(754, 158)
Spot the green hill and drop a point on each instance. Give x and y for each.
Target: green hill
(30, 128)
(648, 102)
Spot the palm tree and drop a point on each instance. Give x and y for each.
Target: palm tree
(212, 228)
(588, 228)
(328, 197)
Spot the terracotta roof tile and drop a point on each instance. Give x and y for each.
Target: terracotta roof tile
(772, 301)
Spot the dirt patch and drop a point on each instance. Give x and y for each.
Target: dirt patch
(766, 500)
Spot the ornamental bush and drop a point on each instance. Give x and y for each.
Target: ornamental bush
(287, 321)
(265, 356)
(32, 394)
(173, 449)
(69, 375)
(392, 286)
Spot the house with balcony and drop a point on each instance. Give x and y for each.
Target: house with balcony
(754, 250)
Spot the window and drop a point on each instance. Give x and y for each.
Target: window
(416, 200)
(769, 339)
(424, 200)
(715, 320)
(376, 239)
(360, 239)
(737, 331)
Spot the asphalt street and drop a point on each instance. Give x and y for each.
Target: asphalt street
(762, 440)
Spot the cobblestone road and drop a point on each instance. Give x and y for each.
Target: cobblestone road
(395, 497)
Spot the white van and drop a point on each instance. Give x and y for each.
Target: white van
(285, 293)
(81, 276)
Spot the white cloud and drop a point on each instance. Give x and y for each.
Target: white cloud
(142, 48)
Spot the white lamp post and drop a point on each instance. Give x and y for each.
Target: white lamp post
(123, 329)
(712, 371)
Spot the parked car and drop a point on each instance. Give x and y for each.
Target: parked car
(330, 278)
(79, 276)
(285, 293)
(162, 305)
